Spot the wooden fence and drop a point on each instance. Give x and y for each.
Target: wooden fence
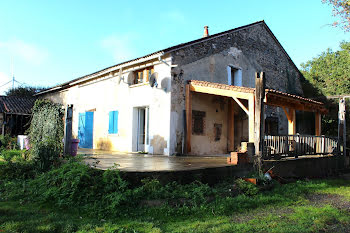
(297, 145)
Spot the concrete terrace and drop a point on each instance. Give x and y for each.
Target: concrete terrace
(135, 162)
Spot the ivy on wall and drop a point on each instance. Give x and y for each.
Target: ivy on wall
(46, 133)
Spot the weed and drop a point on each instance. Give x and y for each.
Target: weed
(246, 188)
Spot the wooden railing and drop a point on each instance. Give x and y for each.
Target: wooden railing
(297, 145)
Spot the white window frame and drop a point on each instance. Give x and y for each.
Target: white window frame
(237, 77)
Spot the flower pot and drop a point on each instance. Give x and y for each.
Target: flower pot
(74, 150)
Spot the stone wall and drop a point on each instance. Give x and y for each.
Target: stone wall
(251, 49)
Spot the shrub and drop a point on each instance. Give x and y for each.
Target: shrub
(46, 133)
(19, 170)
(9, 155)
(46, 153)
(7, 142)
(246, 188)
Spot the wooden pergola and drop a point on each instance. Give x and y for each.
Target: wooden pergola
(288, 102)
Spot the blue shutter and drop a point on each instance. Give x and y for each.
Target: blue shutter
(115, 121)
(110, 126)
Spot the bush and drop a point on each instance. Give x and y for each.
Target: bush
(46, 133)
(9, 155)
(246, 188)
(46, 153)
(8, 143)
(21, 170)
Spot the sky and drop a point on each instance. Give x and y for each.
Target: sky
(46, 43)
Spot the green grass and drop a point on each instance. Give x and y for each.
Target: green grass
(73, 198)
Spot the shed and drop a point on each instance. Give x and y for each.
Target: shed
(15, 114)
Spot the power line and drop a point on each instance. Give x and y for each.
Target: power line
(6, 83)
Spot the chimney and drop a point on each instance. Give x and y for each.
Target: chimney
(206, 31)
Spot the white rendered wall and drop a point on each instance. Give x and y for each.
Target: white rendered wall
(107, 95)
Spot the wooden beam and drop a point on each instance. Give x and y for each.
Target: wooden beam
(287, 113)
(188, 118)
(68, 130)
(231, 126)
(292, 122)
(241, 105)
(281, 101)
(318, 124)
(342, 125)
(251, 122)
(220, 92)
(259, 118)
(290, 114)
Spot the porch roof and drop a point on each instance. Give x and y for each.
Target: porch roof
(272, 97)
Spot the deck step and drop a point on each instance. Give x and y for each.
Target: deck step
(238, 158)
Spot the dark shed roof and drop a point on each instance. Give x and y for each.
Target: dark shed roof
(16, 105)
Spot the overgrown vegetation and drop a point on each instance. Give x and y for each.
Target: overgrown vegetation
(74, 197)
(24, 91)
(329, 72)
(8, 143)
(46, 133)
(328, 75)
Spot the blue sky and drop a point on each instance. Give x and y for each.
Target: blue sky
(51, 42)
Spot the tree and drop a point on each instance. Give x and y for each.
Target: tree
(325, 75)
(24, 91)
(341, 8)
(330, 72)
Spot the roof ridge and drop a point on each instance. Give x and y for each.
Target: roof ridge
(166, 50)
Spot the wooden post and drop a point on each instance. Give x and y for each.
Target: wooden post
(318, 124)
(3, 125)
(251, 122)
(231, 125)
(342, 124)
(188, 118)
(68, 130)
(259, 118)
(291, 122)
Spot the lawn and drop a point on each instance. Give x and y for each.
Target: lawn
(47, 202)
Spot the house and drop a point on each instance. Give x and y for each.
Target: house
(15, 114)
(193, 98)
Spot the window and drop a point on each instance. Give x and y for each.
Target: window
(142, 76)
(113, 122)
(234, 76)
(198, 124)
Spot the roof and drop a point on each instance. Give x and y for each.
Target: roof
(272, 97)
(158, 54)
(222, 86)
(283, 94)
(16, 105)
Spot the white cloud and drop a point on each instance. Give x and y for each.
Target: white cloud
(19, 49)
(120, 46)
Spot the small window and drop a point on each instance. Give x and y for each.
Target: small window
(234, 76)
(113, 122)
(142, 76)
(198, 123)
